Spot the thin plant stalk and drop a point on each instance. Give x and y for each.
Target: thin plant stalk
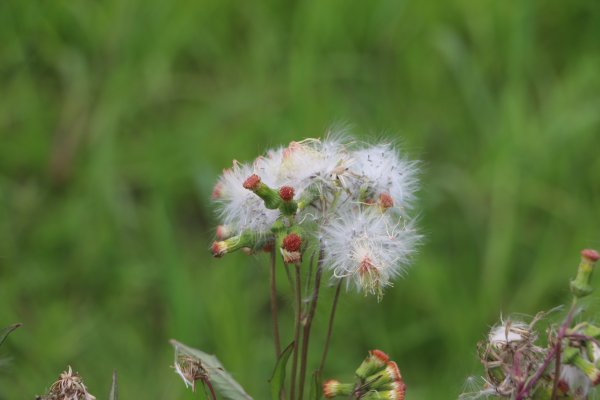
(297, 292)
(330, 325)
(553, 353)
(274, 304)
(308, 324)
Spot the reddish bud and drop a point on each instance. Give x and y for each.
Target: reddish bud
(222, 232)
(380, 355)
(330, 388)
(216, 193)
(218, 249)
(386, 201)
(252, 182)
(286, 193)
(292, 242)
(590, 255)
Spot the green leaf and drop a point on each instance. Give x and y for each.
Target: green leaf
(222, 381)
(315, 386)
(6, 331)
(278, 378)
(113, 388)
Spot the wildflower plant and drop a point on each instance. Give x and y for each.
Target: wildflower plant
(328, 209)
(517, 366)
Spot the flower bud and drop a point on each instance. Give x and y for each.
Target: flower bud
(581, 285)
(269, 196)
(288, 206)
(217, 191)
(572, 356)
(376, 361)
(384, 395)
(223, 232)
(333, 388)
(385, 201)
(291, 249)
(246, 239)
(390, 374)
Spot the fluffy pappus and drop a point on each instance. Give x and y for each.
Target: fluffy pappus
(368, 248)
(380, 169)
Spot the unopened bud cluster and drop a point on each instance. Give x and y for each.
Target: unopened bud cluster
(377, 378)
(353, 199)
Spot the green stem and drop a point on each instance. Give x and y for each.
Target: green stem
(274, 304)
(297, 291)
(330, 325)
(308, 324)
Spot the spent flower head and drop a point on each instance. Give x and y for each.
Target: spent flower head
(69, 386)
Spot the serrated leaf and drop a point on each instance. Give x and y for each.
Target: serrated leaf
(222, 381)
(113, 389)
(278, 378)
(315, 386)
(6, 331)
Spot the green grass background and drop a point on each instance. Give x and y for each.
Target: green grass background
(117, 116)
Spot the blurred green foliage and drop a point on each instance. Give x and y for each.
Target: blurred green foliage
(117, 116)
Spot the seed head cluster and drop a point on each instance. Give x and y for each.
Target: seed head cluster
(352, 199)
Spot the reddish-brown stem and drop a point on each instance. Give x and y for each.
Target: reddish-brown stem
(330, 325)
(308, 324)
(274, 305)
(210, 387)
(556, 371)
(553, 353)
(297, 291)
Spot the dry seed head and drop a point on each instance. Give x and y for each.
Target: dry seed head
(190, 370)
(69, 386)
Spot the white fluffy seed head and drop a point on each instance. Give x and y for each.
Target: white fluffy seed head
(239, 208)
(509, 332)
(380, 169)
(579, 384)
(367, 247)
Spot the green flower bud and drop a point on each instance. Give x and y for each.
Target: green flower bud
(581, 285)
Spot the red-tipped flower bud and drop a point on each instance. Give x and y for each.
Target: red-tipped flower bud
(252, 182)
(218, 249)
(286, 193)
(216, 193)
(291, 249)
(386, 201)
(590, 255)
(223, 232)
(376, 361)
(292, 242)
(333, 388)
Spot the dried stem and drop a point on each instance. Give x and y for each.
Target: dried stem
(330, 325)
(274, 304)
(308, 324)
(297, 292)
